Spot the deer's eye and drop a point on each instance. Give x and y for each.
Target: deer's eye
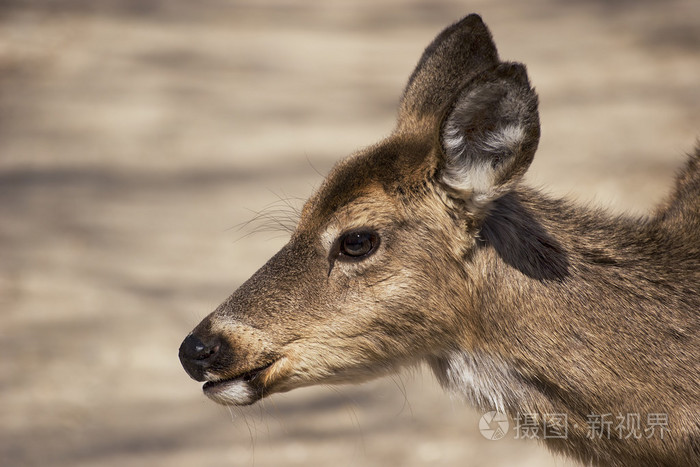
(356, 244)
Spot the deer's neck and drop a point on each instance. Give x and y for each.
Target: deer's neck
(573, 318)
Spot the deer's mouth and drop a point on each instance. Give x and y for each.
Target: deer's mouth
(242, 389)
(247, 377)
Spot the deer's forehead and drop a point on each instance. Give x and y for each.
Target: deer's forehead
(349, 201)
(373, 182)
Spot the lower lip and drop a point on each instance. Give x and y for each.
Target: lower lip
(211, 386)
(231, 392)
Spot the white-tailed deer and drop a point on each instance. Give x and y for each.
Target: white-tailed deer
(426, 248)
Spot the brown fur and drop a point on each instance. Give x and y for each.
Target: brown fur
(520, 302)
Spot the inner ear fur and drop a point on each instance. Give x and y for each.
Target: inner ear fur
(489, 135)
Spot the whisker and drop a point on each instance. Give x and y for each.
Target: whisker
(280, 216)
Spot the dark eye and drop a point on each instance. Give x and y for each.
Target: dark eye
(357, 244)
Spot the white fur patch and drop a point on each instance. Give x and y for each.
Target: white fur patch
(507, 138)
(485, 381)
(464, 174)
(477, 179)
(236, 392)
(453, 141)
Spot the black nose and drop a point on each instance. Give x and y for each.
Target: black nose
(196, 356)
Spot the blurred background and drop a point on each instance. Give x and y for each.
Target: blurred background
(137, 135)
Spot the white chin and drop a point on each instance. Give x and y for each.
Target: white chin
(233, 392)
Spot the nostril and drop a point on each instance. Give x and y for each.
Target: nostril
(203, 352)
(196, 356)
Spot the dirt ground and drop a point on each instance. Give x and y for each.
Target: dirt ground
(136, 135)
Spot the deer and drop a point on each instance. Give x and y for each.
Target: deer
(428, 248)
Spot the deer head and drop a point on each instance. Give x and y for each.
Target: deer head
(374, 276)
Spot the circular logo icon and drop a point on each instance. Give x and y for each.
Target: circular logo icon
(493, 425)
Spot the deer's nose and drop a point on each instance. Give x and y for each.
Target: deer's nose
(196, 356)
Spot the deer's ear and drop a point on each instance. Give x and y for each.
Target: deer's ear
(489, 135)
(455, 56)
